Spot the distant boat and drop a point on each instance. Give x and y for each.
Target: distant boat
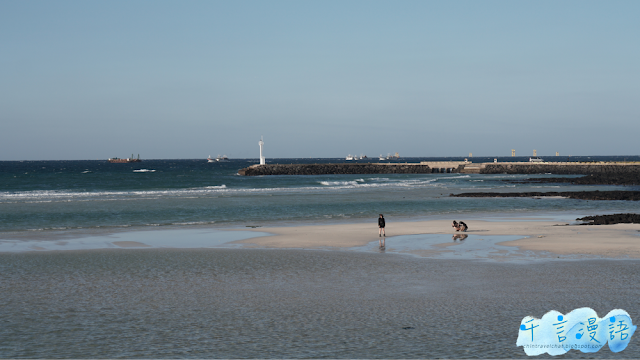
(219, 158)
(382, 158)
(535, 159)
(389, 156)
(350, 157)
(124, 161)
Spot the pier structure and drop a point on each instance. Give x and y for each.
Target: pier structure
(325, 169)
(428, 167)
(446, 166)
(559, 168)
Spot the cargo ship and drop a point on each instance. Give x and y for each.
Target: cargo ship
(124, 161)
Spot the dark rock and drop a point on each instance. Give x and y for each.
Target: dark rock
(581, 195)
(618, 178)
(611, 219)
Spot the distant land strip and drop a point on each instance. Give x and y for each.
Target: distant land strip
(580, 195)
(427, 167)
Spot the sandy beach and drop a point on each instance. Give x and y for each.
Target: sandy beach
(525, 237)
(311, 291)
(148, 295)
(608, 241)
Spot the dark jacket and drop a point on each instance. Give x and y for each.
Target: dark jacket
(381, 222)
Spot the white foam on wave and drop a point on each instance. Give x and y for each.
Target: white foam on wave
(67, 195)
(194, 223)
(339, 183)
(360, 183)
(223, 186)
(143, 170)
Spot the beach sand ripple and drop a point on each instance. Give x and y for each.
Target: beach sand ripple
(243, 303)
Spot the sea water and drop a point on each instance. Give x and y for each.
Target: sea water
(44, 196)
(195, 302)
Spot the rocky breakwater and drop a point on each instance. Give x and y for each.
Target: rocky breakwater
(325, 169)
(561, 168)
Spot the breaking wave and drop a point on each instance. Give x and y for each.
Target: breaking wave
(42, 196)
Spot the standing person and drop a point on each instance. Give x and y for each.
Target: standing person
(381, 233)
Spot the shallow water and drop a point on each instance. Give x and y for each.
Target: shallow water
(463, 246)
(243, 303)
(166, 238)
(459, 246)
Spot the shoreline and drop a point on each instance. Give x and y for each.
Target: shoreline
(556, 237)
(540, 235)
(77, 232)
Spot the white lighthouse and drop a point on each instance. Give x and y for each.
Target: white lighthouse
(261, 143)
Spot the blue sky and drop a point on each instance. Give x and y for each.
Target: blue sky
(188, 79)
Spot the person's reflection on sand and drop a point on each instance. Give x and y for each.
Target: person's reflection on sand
(460, 237)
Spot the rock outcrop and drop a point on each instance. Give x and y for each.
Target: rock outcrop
(581, 195)
(617, 178)
(610, 219)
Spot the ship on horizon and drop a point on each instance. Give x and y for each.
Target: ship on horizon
(124, 161)
(352, 157)
(222, 158)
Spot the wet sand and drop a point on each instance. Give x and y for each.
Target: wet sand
(535, 237)
(557, 237)
(245, 303)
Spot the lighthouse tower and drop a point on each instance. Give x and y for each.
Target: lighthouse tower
(261, 143)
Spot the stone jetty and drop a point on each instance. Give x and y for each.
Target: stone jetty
(323, 169)
(560, 168)
(427, 167)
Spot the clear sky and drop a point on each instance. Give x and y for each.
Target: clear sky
(188, 79)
